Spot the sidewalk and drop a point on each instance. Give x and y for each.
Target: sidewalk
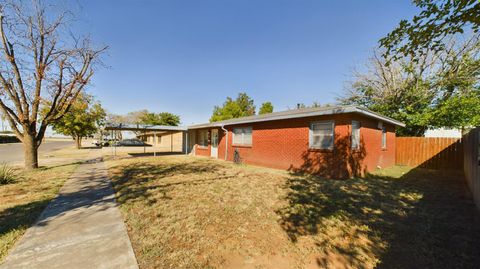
(81, 228)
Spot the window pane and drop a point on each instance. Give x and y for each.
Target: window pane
(327, 142)
(237, 136)
(247, 136)
(321, 135)
(203, 138)
(384, 138)
(247, 139)
(242, 136)
(355, 134)
(316, 142)
(322, 126)
(322, 132)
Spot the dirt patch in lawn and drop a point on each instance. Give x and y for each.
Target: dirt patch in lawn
(185, 212)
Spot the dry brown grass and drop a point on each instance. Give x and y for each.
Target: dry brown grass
(67, 155)
(22, 202)
(185, 212)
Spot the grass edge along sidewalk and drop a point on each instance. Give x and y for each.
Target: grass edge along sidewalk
(22, 202)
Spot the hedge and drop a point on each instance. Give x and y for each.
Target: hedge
(8, 139)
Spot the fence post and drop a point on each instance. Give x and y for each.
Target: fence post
(471, 162)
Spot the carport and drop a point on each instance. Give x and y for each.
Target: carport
(144, 129)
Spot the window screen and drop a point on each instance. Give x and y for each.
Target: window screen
(242, 136)
(355, 134)
(321, 135)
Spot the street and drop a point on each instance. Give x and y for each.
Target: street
(13, 152)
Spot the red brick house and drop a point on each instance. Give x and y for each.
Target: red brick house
(336, 142)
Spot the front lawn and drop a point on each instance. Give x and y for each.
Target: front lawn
(186, 212)
(22, 202)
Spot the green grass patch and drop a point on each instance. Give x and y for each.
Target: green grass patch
(7, 174)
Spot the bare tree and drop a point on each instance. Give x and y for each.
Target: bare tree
(40, 64)
(412, 88)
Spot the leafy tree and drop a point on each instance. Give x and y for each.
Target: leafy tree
(461, 111)
(266, 108)
(163, 118)
(240, 107)
(146, 117)
(420, 90)
(245, 104)
(135, 117)
(427, 30)
(83, 119)
(39, 63)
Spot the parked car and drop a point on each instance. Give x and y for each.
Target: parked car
(131, 143)
(104, 143)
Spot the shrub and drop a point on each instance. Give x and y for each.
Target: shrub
(8, 139)
(7, 174)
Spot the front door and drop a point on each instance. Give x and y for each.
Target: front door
(214, 144)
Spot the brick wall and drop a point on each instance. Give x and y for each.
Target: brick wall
(284, 144)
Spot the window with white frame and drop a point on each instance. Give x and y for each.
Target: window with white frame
(384, 137)
(242, 136)
(203, 138)
(322, 135)
(355, 134)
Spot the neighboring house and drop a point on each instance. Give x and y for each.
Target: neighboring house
(164, 141)
(336, 142)
(443, 132)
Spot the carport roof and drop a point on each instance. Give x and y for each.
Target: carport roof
(301, 113)
(141, 127)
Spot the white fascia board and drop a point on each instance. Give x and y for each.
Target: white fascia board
(379, 117)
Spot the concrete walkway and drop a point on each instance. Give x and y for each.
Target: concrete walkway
(81, 228)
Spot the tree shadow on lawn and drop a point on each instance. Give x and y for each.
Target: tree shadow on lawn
(39, 212)
(423, 219)
(141, 181)
(20, 216)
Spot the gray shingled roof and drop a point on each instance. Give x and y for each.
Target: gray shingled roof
(142, 127)
(300, 113)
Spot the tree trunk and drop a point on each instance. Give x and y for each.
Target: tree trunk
(78, 141)
(31, 152)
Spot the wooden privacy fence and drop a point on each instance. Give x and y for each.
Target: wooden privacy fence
(430, 152)
(471, 167)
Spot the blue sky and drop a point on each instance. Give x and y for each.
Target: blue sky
(185, 57)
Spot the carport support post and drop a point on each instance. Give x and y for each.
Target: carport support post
(111, 137)
(144, 147)
(186, 142)
(115, 145)
(154, 143)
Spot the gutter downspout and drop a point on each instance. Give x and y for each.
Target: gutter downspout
(226, 141)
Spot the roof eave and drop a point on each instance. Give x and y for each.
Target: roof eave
(379, 117)
(343, 110)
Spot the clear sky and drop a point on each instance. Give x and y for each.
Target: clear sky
(185, 57)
